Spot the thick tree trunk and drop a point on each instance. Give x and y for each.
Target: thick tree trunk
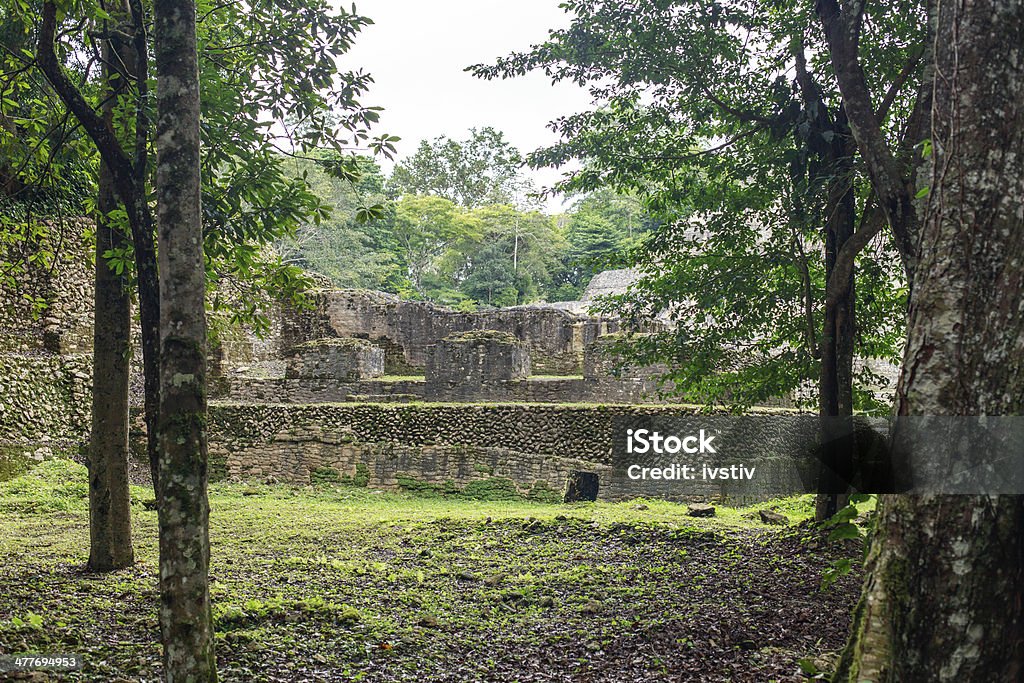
(944, 596)
(183, 507)
(110, 529)
(110, 525)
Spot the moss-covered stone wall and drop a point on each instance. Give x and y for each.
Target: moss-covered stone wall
(44, 399)
(455, 445)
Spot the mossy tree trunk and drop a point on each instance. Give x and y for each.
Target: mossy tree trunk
(944, 595)
(183, 506)
(110, 530)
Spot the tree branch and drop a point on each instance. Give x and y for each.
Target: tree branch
(745, 116)
(106, 141)
(872, 222)
(897, 85)
(142, 84)
(892, 187)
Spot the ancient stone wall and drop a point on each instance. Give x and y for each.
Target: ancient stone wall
(45, 402)
(45, 341)
(457, 444)
(49, 307)
(531, 390)
(461, 365)
(406, 329)
(338, 358)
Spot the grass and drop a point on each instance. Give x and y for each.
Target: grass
(347, 583)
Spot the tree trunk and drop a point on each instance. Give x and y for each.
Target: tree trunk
(183, 507)
(944, 596)
(110, 528)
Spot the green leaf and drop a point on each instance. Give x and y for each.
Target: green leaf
(807, 666)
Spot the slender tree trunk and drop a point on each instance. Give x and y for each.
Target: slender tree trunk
(110, 530)
(183, 507)
(944, 595)
(110, 527)
(835, 388)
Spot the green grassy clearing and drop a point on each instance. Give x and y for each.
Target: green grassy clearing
(344, 583)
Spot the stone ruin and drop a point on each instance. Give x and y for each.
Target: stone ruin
(357, 345)
(338, 358)
(362, 388)
(462, 364)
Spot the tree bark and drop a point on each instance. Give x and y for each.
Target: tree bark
(183, 507)
(944, 596)
(110, 530)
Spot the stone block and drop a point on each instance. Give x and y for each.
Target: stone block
(473, 359)
(602, 360)
(338, 358)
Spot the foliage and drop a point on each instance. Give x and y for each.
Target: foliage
(271, 90)
(704, 119)
(483, 169)
(425, 228)
(47, 163)
(513, 261)
(601, 229)
(349, 249)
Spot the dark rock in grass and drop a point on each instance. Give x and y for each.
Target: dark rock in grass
(700, 510)
(494, 579)
(772, 517)
(428, 621)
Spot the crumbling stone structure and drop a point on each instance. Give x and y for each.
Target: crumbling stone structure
(338, 358)
(462, 364)
(436, 354)
(481, 396)
(603, 361)
(407, 329)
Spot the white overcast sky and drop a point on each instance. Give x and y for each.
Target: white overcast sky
(416, 52)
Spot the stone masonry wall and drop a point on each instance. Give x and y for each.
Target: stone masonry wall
(44, 402)
(456, 444)
(49, 308)
(405, 329)
(339, 358)
(530, 390)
